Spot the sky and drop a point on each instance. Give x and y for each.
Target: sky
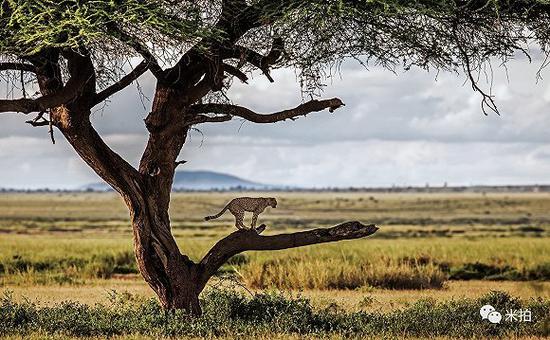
(403, 128)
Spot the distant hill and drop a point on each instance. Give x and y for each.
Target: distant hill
(200, 181)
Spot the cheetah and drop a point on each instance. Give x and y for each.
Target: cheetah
(238, 206)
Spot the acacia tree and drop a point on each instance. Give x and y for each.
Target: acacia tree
(67, 57)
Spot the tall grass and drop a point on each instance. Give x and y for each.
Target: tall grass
(296, 273)
(395, 264)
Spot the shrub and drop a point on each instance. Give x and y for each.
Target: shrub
(229, 313)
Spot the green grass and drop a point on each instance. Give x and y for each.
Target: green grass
(428, 239)
(388, 263)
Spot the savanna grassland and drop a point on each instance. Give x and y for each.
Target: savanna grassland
(434, 253)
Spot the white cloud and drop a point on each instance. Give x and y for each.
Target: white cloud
(404, 129)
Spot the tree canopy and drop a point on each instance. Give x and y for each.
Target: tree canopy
(310, 36)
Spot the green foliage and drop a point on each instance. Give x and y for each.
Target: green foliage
(30, 26)
(229, 313)
(448, 34)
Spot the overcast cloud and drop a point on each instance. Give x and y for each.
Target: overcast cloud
(406, 129)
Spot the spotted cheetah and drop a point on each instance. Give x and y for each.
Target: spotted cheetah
(238, 206)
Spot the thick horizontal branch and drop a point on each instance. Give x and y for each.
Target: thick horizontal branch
(243, 112)
(244, 240)
(17, 67)
(210, 119)
(80, 83)
(40, 104)
(27, 105)
(122, 83)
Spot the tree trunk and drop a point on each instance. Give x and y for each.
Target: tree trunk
(170, 274)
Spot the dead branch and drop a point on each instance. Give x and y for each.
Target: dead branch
(245, 240)
(210, 119)
(229, 110)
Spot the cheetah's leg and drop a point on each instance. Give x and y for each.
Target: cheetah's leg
(254, 219)
(239, 217)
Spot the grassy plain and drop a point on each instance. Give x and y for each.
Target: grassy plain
(55, 247)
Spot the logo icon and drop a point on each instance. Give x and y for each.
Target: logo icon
(489, 312)
(494, 317)
(485, 311)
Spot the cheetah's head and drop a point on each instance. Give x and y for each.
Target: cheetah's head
(273, 202)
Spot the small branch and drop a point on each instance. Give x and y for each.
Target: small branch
(259, 61)
(177, 163)
(142, 50)
(50, 130)
(39, 120)
(244, 240)
(229, 110)
(122, 83)
(232, 70)
(487, 100)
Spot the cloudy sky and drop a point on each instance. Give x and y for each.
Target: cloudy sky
(409, 128)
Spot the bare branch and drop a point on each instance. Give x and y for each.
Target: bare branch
(17, 67)
(27, 105)
(80, 80)
(39, 120)
(244, 240)
(177, 163)
(243, 112)
(122, 83)
(210, 119)
(234, 71)
(487, 100)
(259, 61)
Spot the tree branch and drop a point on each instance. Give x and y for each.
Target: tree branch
(243, 112)
(27, 105)
(122, 83)
(244, 240)
(257, 60)
(234, 71)
(142, 50)
(210, 119)
(17, 67)
(81, 82)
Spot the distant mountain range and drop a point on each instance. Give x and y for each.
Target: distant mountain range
(200, 181)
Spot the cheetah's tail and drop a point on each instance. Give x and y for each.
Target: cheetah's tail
(208, 218)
